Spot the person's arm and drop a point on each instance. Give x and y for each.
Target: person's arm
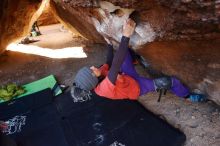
(122, 51)
(110, 55)
(118, 59)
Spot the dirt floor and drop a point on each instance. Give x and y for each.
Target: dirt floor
(199, 121)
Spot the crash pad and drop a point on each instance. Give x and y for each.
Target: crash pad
(46, 82)
(32, 121)
(39, 85)
(40, 119)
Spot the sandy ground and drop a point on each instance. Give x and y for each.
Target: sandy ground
(199, 121)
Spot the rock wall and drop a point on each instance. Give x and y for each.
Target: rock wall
(157, 20)
(179, 38)
(15, 18)
(76, 19)
(47, 17)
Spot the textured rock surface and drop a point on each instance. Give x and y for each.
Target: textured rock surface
(47, 17)
(158, 20)
(169, 20)
(77, 19)
(189, 24)
(15, 18)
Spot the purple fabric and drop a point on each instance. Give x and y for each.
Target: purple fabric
(146, 84)
(178, 88)
(123, 61)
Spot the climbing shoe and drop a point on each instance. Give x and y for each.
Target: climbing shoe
(162, 84)
(194, 97)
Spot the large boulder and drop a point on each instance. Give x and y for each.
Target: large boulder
(77, 18)
(157, 20)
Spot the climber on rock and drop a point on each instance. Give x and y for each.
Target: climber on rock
(118, 79)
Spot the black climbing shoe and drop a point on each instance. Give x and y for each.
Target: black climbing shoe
(162, 84)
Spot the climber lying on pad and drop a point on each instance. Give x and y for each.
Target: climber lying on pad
(118, 79)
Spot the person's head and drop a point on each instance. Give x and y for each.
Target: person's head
(87, 78)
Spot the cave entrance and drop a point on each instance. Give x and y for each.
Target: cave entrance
(54, 41)
(50, 38)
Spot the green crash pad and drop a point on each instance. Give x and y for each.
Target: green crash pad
(47, 82)
(39, 85)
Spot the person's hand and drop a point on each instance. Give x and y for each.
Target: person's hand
(95, 71)
(128, 28)
(108, 41)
